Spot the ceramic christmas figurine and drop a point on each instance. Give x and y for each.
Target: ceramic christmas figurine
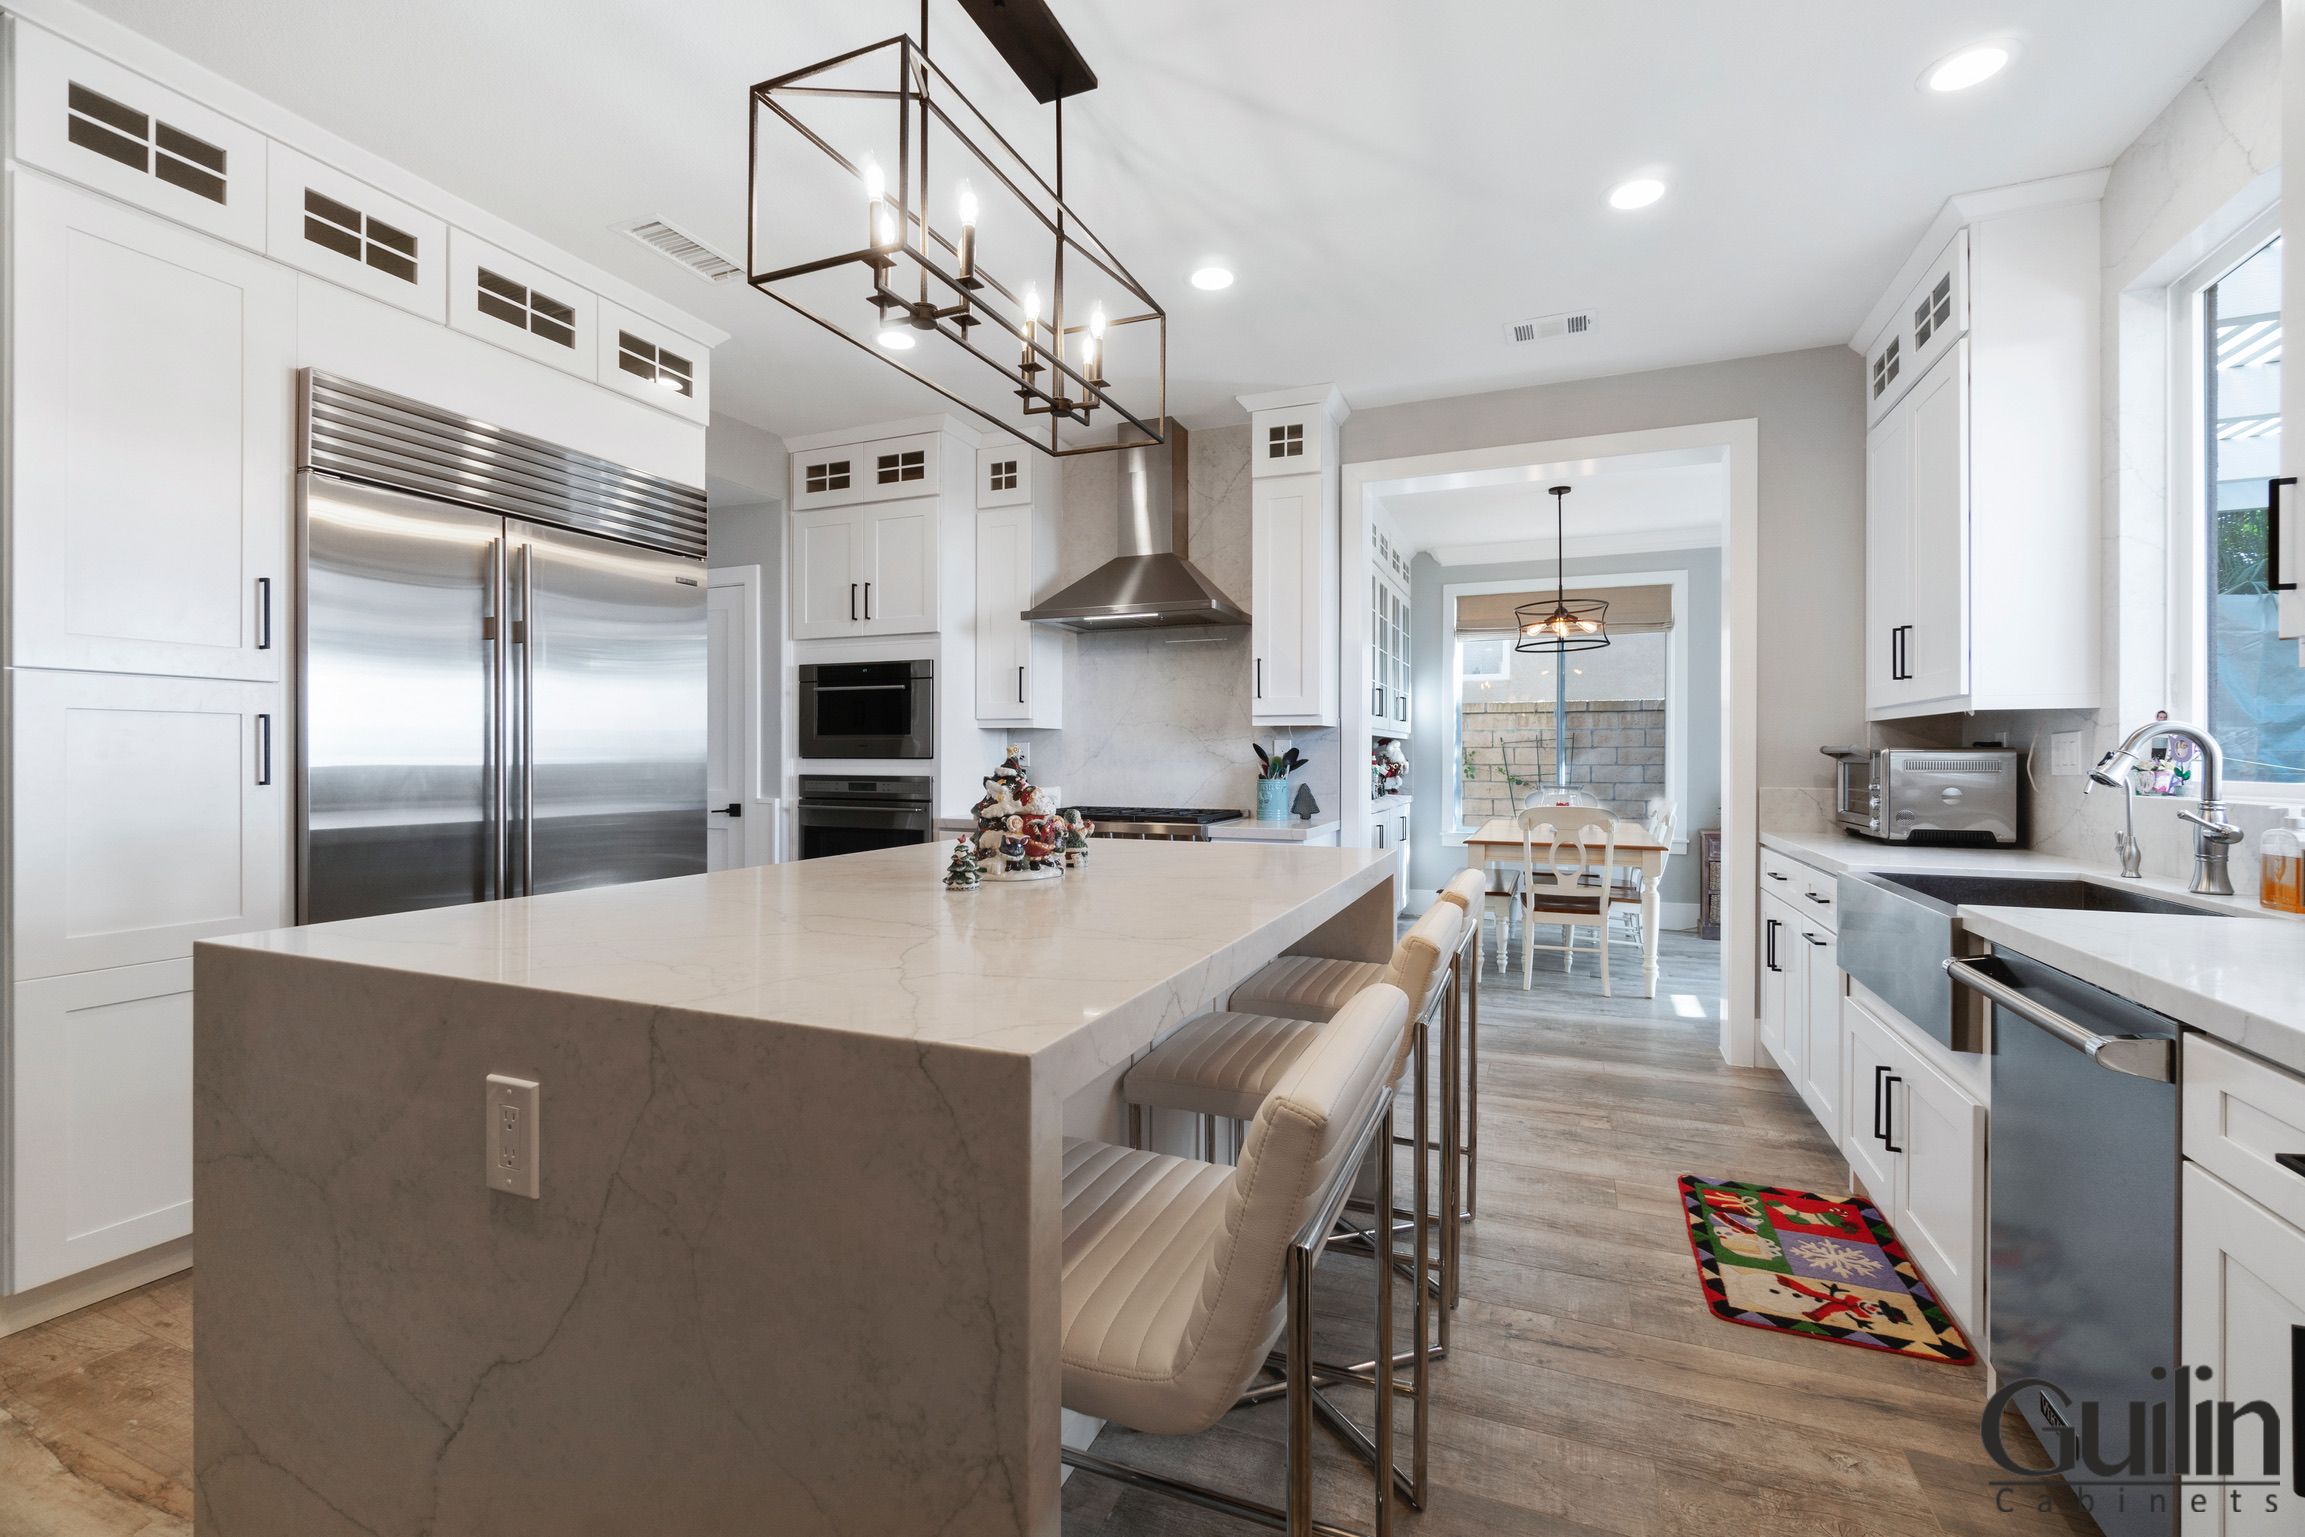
(964, 873)
(1019, 834)
(1076, 831)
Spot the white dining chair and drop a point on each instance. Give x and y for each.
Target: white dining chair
(1577, 842)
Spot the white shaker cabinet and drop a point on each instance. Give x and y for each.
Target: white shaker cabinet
(152, 373)
(1019, 665)
(1293, 533)
(2241, 1274)
(865, 569)
(100, 1124)
(1982, 479)
(1916, 1140)
(149, 812)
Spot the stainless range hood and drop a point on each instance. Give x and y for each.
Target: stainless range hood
(1146, 586)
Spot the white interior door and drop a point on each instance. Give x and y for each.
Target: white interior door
(738, 825)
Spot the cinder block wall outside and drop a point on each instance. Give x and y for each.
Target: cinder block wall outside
(1616, 754)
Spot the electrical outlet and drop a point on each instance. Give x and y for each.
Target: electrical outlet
(512, 1140)
(2064, 752)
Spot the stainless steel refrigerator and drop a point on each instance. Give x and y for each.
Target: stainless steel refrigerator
(501, 663)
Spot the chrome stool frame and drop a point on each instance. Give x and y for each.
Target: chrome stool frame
(1302, 1379)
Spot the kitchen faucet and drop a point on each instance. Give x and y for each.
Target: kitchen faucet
(2212, 834)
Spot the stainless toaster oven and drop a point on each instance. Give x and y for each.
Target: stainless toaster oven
(1963, 796)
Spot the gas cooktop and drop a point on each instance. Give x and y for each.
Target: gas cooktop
(1180, 823)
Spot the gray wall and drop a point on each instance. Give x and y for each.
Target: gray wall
(745, 478)
(1431, 863)
(1811, 411)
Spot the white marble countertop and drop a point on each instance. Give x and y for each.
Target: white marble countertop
(2239, 977)
(1391, 802)
(1294, 830)
(1077, 973)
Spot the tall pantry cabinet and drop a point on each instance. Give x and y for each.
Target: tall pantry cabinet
(164, 283)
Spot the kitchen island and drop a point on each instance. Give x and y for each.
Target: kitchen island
(794, 1265)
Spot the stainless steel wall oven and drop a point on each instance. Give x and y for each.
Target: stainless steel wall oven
(868, 709)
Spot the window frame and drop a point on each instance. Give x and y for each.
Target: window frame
(2186, 598)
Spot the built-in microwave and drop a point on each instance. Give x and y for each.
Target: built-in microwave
(868, 709)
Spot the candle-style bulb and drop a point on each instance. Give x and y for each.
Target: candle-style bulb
(875, 184)
(885, 233)
(1031, 307)
(967, 205)
(1096, 323)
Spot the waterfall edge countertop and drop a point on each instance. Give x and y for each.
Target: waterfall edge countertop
(2238, 977)
(874, 944)
(794, 1259)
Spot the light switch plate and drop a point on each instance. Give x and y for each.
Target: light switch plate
(2065, 752)
(512, 1141)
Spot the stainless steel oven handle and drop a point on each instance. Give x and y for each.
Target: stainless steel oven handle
(2139, 1056)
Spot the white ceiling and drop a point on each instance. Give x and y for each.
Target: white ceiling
(1670, 500)
(1393, 182)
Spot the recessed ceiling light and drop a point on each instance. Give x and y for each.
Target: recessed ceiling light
(895, 339)
(1212, 277)
(1640, 192)
(1971, 66)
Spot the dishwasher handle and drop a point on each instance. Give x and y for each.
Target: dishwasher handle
(2139, 1056)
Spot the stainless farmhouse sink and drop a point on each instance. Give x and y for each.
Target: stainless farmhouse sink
(1897, 930)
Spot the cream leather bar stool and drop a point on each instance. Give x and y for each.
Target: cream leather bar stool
(1225, 1064)
(1179, 1277)
(1468, 889)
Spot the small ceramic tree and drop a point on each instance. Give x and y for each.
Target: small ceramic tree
(964, 873)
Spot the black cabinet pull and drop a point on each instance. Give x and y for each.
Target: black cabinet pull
(263, 749)
(2293, 1162)
(1889, 1113)
(1261, 677)
(868, 600)
(1779, 875)
(1812, 939)
(2274, 501)
(1020, 683)
(852, 603)
(732, 809)
(1880, 1071)
(264, 613)
(1769, 953)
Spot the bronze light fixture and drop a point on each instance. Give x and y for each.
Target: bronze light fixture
(1570, 624)
(961, 313)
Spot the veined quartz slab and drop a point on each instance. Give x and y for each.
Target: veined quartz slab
(795, 1265)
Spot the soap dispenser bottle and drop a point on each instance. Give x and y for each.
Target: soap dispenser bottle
(2281, 864)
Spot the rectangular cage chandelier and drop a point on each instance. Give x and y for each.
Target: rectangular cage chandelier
(884, 206)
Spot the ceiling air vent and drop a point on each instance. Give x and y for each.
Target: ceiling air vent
(676, 244)
(1546, 327)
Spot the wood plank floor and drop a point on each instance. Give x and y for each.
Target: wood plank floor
(1589, 1392)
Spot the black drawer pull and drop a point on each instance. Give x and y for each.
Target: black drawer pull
(1889, 1118)
(1880, 1071)
(2293, 1162)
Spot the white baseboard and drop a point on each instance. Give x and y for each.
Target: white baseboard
(74, 1292)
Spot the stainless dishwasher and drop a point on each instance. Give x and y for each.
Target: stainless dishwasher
(2083, 1183)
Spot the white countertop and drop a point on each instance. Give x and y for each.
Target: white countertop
(1250, 830)
(2240, 978)
(1079, 972)
(1391, 802)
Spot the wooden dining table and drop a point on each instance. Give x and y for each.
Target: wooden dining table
(1499, 839)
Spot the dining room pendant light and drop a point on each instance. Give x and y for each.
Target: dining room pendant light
(1567, 624)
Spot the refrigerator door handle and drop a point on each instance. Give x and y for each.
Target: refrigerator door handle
(493, 630)
(524, 636)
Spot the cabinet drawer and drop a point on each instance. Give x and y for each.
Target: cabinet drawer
(1809, 892)
(101, 1118)
(2241, 1115)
